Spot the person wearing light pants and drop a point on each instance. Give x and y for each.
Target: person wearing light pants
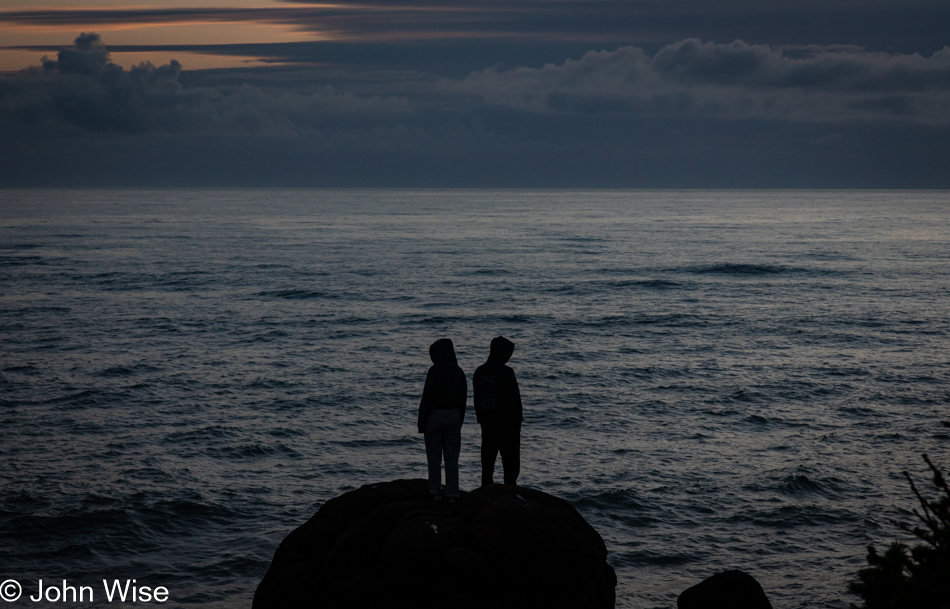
(441, 414)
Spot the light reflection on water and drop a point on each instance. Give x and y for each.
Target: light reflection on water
(715, 379)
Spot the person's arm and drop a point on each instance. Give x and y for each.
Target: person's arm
(425, 404)
(464, 387)
(476, 395)
(516, 398)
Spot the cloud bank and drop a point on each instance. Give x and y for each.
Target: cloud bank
(736, 81)
(693, 113)
(83, 89)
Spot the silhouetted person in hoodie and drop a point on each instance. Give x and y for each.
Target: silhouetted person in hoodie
(441, 413)
(498, 411)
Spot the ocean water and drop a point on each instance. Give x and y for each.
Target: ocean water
(714, 379)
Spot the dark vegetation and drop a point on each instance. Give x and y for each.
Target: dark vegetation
(918, 577)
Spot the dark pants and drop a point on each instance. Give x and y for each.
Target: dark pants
(505, 439)
(444, 440)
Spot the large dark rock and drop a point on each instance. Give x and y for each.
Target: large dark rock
(388, 545)
(726, 590)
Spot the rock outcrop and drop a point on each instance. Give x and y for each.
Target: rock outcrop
(388, 545)
(727, 590)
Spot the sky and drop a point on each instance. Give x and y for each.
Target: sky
(456, 93)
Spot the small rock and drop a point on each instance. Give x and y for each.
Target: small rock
(726, 590)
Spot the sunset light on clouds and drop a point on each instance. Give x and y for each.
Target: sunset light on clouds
(48, 28)
(598, 92)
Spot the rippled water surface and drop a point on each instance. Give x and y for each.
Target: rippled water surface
(714, 379)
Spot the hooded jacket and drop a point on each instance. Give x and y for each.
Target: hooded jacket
(497, 397)
(446, 386)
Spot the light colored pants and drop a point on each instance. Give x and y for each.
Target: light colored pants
(444, 440)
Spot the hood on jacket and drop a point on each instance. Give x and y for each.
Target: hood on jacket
(501, 350)
(442, 351)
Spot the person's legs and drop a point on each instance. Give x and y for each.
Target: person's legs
(510, 447)
(433, 438)
(489, 453)
(451, 447)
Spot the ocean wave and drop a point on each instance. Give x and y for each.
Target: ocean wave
(126, 371)
(85, 397)
(649, 558)
(270, 383)
(617, 498)
(251, 451)
(203, 435)
(16, 261)
(297, 294)
(286, 432)
(749, 269)
(799, 484)
(270, 336)
(799, 515)
(638, 319)
(408, 440)
(22, 369)
(184, 280)
(435, 320)
(655, 284)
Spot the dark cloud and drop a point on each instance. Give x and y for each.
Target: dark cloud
(83, 89)
(732, 81)
(737, 81)
(691, 113)
(130, 16)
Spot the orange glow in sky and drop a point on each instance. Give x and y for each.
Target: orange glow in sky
(218, 31)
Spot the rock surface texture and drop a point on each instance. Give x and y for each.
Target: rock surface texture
(387, 545)
(726, 590)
